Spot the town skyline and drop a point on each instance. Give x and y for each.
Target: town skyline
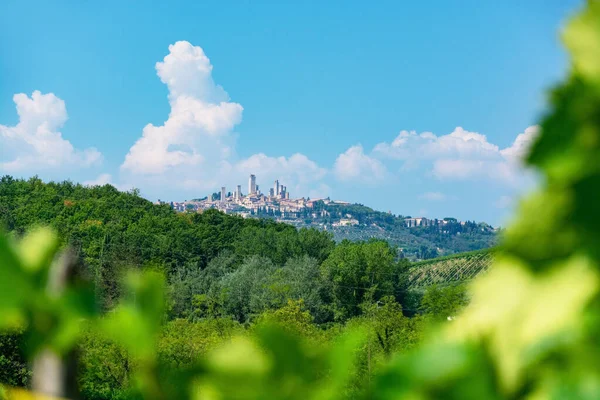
(279, 204)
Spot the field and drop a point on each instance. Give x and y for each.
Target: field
(444, 270)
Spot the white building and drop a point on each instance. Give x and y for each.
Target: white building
(419, 221)
(346, 222)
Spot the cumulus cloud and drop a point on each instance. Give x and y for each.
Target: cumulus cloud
(36, 141)
(195, 147)
(520, 147)
(355, 165)
(201, 117)
(460, 143)
(187, 72)
(460, 155)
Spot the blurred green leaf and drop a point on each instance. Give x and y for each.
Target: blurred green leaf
(37, 249)
(143, 308)
(342, 358)
(15, 287)
(582, 38)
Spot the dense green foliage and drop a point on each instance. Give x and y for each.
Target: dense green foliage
(13, 366)
(135, 351)
(357, 270)
(115, 232)
(216, 265)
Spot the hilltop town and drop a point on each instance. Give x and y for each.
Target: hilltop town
(417, 237)
(275, 203)
(278, 204)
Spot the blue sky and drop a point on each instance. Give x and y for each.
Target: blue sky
(315, 94)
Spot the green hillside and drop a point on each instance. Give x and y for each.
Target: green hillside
(447, 236)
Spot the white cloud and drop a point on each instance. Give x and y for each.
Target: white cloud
(36, 142)
(460, 155)
(460, 143)
(187, 72)
(355, 165)
(520, 147)
(195, 148)
(197, 131)
(433, 196)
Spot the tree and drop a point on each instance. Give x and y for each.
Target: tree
(105, 368)
(301, 279)
(292, 317)
(352, 269)
(386, 321)
(444, 302)
(246, 289)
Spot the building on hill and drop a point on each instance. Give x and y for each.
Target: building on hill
(419, 221)
(252, 185)
(346, 222)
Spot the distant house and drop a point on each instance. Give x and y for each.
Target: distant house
(419, 221)
(346, 222)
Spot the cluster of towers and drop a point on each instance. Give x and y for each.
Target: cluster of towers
(277, 191)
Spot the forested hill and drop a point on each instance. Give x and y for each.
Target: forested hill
(438, 238)
(257, 263)
(27, 202)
